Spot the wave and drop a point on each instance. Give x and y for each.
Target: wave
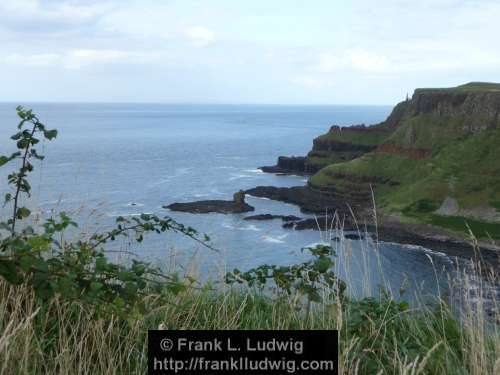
(250, 227)
(420, 248)
(253, 196)
(275, 239)
(237, 177)
(255, 170)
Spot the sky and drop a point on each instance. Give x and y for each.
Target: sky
(255, 52)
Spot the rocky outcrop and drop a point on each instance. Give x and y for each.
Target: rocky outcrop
(450, 207)
(412, 153)
(237, 205)
(309, 200)
(262, 217)
(288, 165)
(480, 105)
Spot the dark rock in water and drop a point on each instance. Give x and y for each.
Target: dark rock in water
(288, 165)
(237, 205)
(272, 217)
(320, 223)
(353, 237)
(239, 197)
(307, 199)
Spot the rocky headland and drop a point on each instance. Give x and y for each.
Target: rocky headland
(431, 170)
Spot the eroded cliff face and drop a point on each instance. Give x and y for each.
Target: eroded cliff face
(442, 145)
(342, 144)
(415, 128)
(480, 107)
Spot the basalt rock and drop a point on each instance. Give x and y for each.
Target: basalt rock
(262, 217)
(237, 205)
(287, 165)
(307, 199)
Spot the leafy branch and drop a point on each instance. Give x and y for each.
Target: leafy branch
(77, 270)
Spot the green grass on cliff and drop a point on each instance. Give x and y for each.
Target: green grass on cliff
(468, 87)
(431, 132)
(357, 138)
(463, 163)
(464, 168)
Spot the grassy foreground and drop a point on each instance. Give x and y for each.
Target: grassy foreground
(377, 335)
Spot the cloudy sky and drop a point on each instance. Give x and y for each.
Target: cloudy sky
(227, 51)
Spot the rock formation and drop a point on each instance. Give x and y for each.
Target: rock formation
(237, 205)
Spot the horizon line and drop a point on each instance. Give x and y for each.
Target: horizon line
(194, 103)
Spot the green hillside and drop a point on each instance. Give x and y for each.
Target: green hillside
(445, 149)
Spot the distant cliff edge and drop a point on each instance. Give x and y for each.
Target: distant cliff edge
(434, 160)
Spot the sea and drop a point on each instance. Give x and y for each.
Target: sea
(112, 160)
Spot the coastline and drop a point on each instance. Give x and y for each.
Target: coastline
(359, 218)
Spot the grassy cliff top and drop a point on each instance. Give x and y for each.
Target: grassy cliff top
(348, 135)
(468, 87)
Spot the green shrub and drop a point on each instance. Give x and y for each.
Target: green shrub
(74, 270)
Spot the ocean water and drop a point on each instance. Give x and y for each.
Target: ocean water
(124, 159)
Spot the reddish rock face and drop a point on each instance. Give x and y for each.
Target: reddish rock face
(412, 153)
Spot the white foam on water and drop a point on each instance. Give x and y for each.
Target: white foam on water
(314, 244)
(253, 196)
(250, 227)
(228, 226)
(421, 248)
(237, 177)
(275, 239)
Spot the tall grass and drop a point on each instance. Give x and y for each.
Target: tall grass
(376, 335)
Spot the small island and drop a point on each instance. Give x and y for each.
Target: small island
(235, 206)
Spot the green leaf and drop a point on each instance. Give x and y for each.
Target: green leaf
(8, 270)
(322, 264)
(100, 264)
(50, 134)
(96, 286)
(22, 212)
(16, 136)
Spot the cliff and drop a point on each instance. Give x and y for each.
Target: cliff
(435, 159)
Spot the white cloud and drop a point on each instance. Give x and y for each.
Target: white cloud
(353, 59)
(201, 36)
(37, 16)
(42, 59)
(140, 21)
(312, 82)
(79, 58)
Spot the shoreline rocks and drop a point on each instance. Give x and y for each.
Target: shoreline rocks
(288, 165)
(262, 217)
(236, 206)
(307, 199)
